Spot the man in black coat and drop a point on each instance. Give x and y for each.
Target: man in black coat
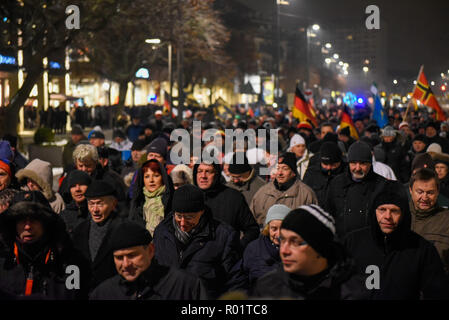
(319, 176)
(395, 155)
(314, 266)
(396, 262)
(140, 277)
(76, 211)
(351, 192)
(226, 204)
(192, 240)
(92, 237)
(38, 258)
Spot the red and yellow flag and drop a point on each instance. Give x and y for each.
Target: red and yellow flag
(424, 94)
(302, 109)
(346, 121)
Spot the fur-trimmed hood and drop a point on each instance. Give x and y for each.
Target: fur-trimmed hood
(40, 172)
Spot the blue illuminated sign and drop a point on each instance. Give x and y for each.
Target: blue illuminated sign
(55, 65)
(7, 60)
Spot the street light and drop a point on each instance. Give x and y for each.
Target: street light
(328, 45)
(365, 69)
(153, 41)
(309, 34)
(395, 81)
(336, 56)
(316, 27)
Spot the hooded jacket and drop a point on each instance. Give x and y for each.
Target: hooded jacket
(229, 206)
(213, 254)
(397, 159)
(334, 283)
(46, 259)
(349, 201)
(41, 172)
(409, 266)
(138, 201)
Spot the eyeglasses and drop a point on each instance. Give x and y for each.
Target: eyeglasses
(295, 243)
(186, 217)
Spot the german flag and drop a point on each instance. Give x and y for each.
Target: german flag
(346, 121)
(302, 109)
(167, 104)
(424, 94)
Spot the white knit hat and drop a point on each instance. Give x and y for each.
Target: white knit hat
(295, 140)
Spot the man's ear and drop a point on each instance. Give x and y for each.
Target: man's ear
(151, 250)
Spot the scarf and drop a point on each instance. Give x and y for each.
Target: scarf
(97, 233)
(185, 237)
(153, 208)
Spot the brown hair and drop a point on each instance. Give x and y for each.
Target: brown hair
(153, 166)
(424, 174)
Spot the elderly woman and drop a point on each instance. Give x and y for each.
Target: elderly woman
(262, 255)
(441, 160)
(152, 195)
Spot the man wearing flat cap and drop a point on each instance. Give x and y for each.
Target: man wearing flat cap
(350, 193)
(244, 177)
(140, 277)
(92, 237)
(189, 238)
(286, 189)
(314, 265)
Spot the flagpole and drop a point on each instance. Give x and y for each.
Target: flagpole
(414, 88)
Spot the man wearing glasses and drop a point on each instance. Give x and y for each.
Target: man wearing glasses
(191, 239)
(313, 264)
(92, 237)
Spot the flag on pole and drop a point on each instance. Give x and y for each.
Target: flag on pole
(302, 109)
(167, 104)
(379, 113)
(424, 94)
(346, 121)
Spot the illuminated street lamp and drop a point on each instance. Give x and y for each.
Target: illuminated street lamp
(316, 27)
(336, 56)
(153, 41)
(365, 69)
(395, 81)
(329, 46)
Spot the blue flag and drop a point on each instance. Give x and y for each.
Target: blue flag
(379, 113)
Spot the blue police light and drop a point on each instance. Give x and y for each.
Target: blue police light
(54, 65)
(152, 97)
(360, 100)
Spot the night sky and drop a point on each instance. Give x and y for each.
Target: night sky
(417, 31)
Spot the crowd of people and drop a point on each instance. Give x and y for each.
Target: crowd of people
(324, 216)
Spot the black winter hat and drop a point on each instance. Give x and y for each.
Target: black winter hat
(188, 198)
(31, 196)
(359, 151)
(97, 135)
(76, 129)
(421, 137)
(78, 177)
(314, 225)
(100, 188)
(138, 145)
(345, 132)
(119, 133)
(289, 159)
(392, 193)
(237, 166)
(330, 153)
(159, 146)
(130, 234)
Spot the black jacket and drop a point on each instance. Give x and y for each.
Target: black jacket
(229, 206)
(409, 265)
(136, 209)
(349, 202)
(334, 283)
(103, 266)
(213, 254)
(397, 158)
(156, 283)
(47, 260)
(319, 181)
(260, 257)
(73, 215)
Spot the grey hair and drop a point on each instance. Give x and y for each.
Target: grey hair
(85, 152)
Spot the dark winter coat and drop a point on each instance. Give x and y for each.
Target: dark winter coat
(47, 259)
(249, 188)
(319, 181)
(229, 206)
(260, 257)
(349, 202)
(334, 283)
(103, 266)
(156, 283)
(396, 157)
(73, 215)
(213, 254)
(138, 201)
(409, 265)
